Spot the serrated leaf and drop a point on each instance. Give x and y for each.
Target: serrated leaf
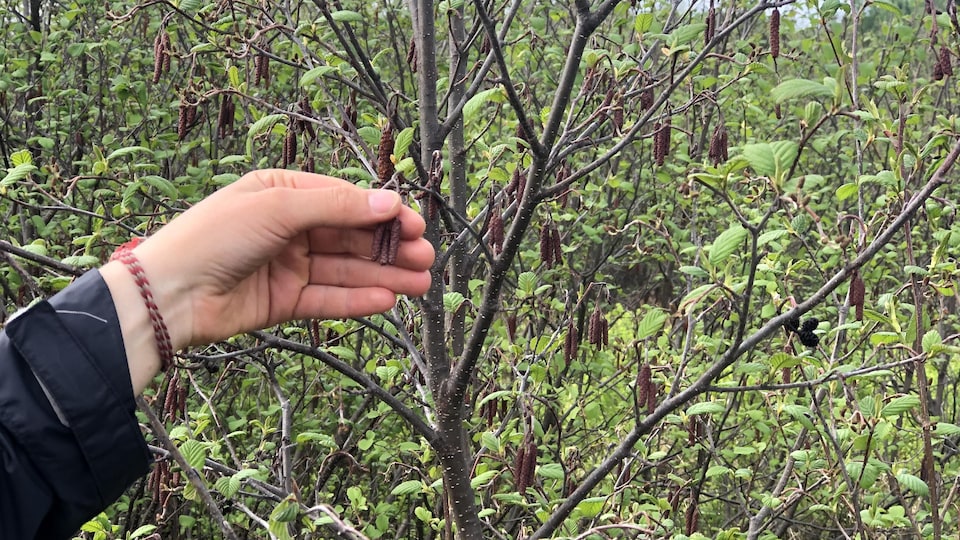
(402, 142)
(685, 34)
(17, 174)
(846, 191)
(900, 405)
(142, 530)
(264, 124)
(490, 440)
(342, 352)
(307, 78)
(946, 429)
(553, 471)
(651, 324)
(884, 338)
(717, 470)
(725, 244)
(482, 479)
(228, 486)
(286, 510)
(694, 271)
(472, 107)
(195, 452)
(452, 301)
(162, 185)
(761, 158)
(706, 407)
(21, 157)
(797, 88)
(408, 488)
(345, 15)
(190, 7)
(914, 484)
(930, 340)
(770, 236)
(526, 283)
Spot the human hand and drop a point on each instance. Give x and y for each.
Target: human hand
(279, 245)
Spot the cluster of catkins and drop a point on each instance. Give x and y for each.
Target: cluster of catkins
(661, 141)
(525, 464)
(261, 69)
(719, 145)
(161, 55)
(226, 116)
(186, 117)
(597, 328)
(550, 246)
(386, 235)
(163, 483)
(428, 196)
(647, 389)
(943, 67)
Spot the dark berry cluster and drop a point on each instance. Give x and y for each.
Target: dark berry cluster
(804, 331)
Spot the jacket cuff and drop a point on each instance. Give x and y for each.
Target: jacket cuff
(74, 347)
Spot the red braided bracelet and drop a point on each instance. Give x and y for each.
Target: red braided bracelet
(125, 254)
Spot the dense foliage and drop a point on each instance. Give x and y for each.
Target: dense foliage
(695, 275)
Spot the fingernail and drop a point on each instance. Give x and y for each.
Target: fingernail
(381, 201)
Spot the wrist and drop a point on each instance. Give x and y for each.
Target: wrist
(151, 315)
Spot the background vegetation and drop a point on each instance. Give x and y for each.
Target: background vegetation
(696, 271)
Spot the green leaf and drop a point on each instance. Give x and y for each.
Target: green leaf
(482, 479)
(228, 486)
(190, 7)
(21, 157)
(770, 236)
(651, 324)
(914, 484)
(761, 158)
(527, 283)
(264, 124)
(930, 340)
(142, 530)
(946, 429)
(900, 405)
(16, 174)
(408, 488)
(402, 142)
(195, 452)
(472, 107)
(725, 244)
(286, 510)
(642, 22)
(553, 471)
(345, 15)
(307, 78)
(162, 185)
(797, 88)
(706, 407)
(846, 191)
(685, 34)
(452, 301)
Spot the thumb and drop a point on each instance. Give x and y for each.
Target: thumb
(343, 206)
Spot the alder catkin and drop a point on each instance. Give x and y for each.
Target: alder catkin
(531, 464)
(377, 246)
(570, 344)
(718, 146)
(546, 247)
(711, 25)
(657, 147)
(496, 230)
(165, 45)
(412, 56)
(946, 65)
(518, 464)
(652, 396)
(692, 517)
(644, 383)
(511, 326)
(158, 56)
(857, 294)
(775, 33)
(225, 116)
(182, 123)
(289, 147)
(385, 166)
(261, 65)
(557, 245)
(394, 246)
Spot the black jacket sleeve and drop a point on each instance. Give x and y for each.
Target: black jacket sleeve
(69, 441)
